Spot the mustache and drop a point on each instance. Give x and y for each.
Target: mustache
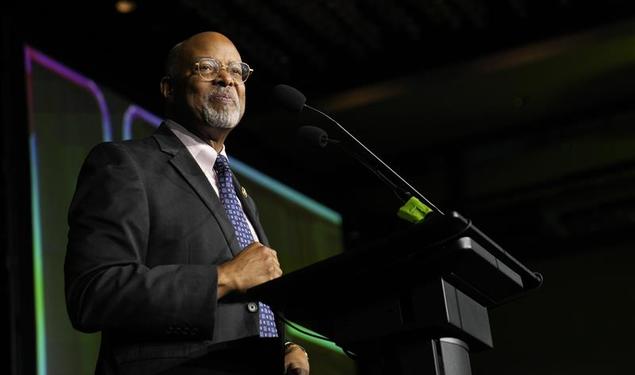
(223, 93)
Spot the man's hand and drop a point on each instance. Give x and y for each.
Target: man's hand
(296, 361)
(254, 265)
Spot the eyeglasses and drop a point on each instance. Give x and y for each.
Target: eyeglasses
(209, 68)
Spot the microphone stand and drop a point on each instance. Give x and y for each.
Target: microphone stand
(412, 192)
(454, 225)
(416, 211)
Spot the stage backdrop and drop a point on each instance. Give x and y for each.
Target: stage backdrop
(68, 114)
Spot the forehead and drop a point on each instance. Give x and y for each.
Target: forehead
(218, 49)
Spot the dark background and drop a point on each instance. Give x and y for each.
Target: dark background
(516, 113)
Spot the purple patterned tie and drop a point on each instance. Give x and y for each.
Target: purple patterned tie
(229, 199)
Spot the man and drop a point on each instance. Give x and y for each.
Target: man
(163, 240)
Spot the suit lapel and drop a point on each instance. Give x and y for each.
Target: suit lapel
(187, 167)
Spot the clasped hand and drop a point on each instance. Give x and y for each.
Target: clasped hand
(255, 265)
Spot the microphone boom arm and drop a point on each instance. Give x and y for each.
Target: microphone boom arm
(413, 191)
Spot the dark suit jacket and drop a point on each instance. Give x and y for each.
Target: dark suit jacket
(146, 234)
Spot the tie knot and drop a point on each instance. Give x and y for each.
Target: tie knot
(221, 165)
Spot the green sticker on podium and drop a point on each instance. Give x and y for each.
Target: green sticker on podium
(413, 211)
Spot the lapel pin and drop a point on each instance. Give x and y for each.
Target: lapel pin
(243, 192)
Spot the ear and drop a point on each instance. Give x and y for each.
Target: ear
(167, 88)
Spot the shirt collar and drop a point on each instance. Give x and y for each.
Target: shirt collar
(204, 154)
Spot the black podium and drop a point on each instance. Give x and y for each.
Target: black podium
(415, 302)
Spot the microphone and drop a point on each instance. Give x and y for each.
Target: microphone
(289, 97)
(314, 136)
(293, 100)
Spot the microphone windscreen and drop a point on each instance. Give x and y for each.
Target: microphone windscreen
(289, 97)
(313, 136)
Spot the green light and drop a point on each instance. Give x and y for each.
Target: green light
(314, 340)
(38, 275)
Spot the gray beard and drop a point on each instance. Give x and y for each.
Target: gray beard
(223, 119)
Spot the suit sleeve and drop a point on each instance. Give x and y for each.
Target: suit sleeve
(107, 284)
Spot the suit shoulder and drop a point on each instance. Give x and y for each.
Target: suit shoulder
(131, 148)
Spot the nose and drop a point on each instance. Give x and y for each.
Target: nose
(223, 78)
